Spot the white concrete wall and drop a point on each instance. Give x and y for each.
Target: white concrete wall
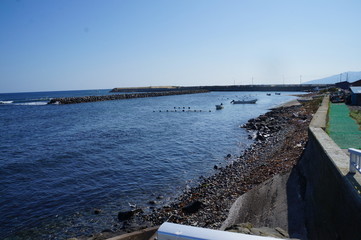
(332, 197)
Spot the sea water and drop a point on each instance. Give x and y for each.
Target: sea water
(60, 162)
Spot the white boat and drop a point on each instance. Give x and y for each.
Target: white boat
(244, 101)
(304, 99)
(219, 107)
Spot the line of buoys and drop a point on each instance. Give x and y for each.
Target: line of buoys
(183, 110)
(182, 107)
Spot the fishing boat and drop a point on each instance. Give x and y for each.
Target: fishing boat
(244, 101)
(304, 99)
(219, 107)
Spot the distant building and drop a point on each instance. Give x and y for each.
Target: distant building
(356, 83)
(345, 85)
(356, 96)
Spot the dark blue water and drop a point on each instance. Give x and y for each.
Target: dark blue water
(60, 162)
(42, 98)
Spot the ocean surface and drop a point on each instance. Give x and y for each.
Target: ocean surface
(60, 162)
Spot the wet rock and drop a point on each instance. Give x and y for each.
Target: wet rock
(303, 117)
(126, 215)
(262, 118)
(97, 211)
(260, 136)
(192, 207)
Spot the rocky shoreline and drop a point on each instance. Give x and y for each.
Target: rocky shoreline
(73, 100)
(280, 138)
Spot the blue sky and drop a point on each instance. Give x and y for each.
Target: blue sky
(50, 45)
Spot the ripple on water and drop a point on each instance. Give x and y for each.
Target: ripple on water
(58, 163)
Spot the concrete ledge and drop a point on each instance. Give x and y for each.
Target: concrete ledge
(319, 120)
(335, 154)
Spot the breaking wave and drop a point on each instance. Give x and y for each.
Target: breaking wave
(6, 102)
(32, 103)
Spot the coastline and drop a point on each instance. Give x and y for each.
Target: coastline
(280, 137)
(291, 103)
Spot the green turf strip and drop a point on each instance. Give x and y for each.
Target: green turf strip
(342, 128)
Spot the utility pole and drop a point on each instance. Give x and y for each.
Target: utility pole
(340, 76)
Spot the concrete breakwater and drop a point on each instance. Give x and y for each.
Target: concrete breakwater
(73, 100)
(245, 88)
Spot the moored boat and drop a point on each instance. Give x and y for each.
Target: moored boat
(244, 101)
(219, 107)
(304, 99)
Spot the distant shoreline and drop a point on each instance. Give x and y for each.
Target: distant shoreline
(247, 88)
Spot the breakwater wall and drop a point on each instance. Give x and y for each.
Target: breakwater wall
(248, 88)
(73, 100)
(331, 194)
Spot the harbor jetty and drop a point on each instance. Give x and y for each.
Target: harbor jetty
(143, 92)
(73, 100)
(229, 88)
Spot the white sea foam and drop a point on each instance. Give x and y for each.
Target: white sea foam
(40, 99)
(32, 103)
(6, 102)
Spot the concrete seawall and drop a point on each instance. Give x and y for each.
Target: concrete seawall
(319, 199)
(73, 100)
(331, 195)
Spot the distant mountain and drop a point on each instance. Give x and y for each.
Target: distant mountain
(351, 76)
